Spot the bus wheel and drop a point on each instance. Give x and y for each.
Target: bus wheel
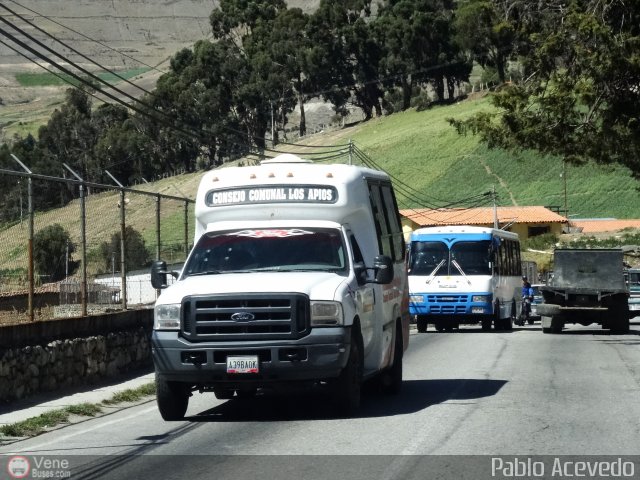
(422, 324)
(440, 327)
(497, 321)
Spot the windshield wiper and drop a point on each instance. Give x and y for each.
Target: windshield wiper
(204, 272)
(435, 270)
(459, 268)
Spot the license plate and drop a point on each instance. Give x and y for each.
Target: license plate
(248, 364)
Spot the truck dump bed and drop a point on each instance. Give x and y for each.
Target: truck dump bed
(587, 287)
(588, 269)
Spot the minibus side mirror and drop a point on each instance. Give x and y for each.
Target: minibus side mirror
(383, 269)
(159, 274)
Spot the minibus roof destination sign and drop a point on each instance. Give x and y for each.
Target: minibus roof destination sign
(272, 194)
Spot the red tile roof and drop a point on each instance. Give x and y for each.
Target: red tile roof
(604, 225)
(481, 216)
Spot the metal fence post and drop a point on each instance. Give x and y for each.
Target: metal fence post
(30, 275)
(83, 241)
(157, 227)
(123, 261)
(186, 229)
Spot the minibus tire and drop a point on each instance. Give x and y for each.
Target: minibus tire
(348, 386)
(392, 378)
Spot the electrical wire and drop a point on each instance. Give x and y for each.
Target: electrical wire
(87, 37)
(75, 51)
(98, 79)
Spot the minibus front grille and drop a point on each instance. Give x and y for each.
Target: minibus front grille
(447, 298)
(245, 317)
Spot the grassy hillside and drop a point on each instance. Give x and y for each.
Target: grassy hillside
(423, 151)
(418, 148)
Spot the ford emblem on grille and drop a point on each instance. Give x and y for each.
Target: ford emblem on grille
(243, 316)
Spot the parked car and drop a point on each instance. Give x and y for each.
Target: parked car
(537, 299)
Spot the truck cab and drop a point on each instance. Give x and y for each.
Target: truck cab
(634, 291)
(296, 276)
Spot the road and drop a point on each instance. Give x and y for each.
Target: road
(519, 393)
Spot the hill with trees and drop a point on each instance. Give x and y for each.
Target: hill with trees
(230, 96)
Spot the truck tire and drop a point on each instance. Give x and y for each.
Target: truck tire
(347, 387)
(172, 399)
(619, 320)
(557, 322)
(392, 377)
(421, 323)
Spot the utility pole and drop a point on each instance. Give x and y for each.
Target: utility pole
(273, 138)
(495, 209)
(564, 179)
(30, 273)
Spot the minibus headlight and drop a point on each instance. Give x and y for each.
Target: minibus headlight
(416, 298)
(481, 298)
(326, 314)
(167, 317)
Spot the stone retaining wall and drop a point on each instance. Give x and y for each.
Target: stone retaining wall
(119, 343)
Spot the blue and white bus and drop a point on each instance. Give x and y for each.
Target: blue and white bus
(464, 274)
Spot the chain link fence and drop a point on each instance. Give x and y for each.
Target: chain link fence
(90, 256)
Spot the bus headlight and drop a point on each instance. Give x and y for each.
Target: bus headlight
(416, 298)
(326, 314)
(481, 298)
(166, 317)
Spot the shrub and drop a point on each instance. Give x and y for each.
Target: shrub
(52, 249)
(136, 254)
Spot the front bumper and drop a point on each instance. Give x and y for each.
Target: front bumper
(320, 355)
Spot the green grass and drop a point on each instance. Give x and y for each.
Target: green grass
(132, 395)
(424, 152)
(37, 425)
(419, 149)
(49, 79)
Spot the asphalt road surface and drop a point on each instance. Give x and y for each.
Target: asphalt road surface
(520, 393)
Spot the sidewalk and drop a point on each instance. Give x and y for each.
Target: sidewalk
(39, 404)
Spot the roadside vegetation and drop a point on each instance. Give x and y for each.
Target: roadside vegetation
(48, 420)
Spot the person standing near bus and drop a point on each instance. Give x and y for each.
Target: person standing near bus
(527, 296)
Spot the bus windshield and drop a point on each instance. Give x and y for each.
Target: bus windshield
(468, 258)
(271, 249)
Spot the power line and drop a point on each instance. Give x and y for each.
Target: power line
(97, 78)
(72, 49)
(87, 37)
(52, 72)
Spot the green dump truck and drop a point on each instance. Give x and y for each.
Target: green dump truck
(588, 286)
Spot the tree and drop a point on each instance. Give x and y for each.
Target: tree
(346, 66)
(418, 47)
(488, 34)
(580, 100)
(52, 249)
(136, 254)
